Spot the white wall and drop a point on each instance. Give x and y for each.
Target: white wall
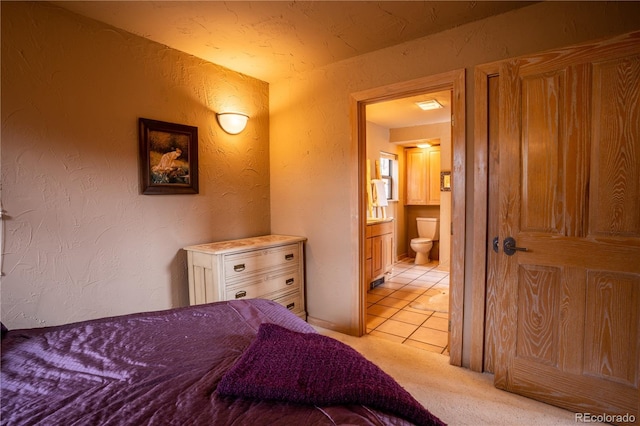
(81, 242)
(312, 163)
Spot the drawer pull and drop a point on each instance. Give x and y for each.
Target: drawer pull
(239, 268)
(241, 294)
(291, 305)
(288, 256)
(289, 281)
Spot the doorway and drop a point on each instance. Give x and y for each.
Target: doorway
(408, 301)
(453, 81)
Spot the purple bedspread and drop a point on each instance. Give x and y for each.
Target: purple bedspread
(158, 368)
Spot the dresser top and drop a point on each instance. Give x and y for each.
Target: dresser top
(245, 244)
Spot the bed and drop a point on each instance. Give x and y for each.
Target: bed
(249, 362)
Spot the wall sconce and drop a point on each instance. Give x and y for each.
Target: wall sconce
(232, 122)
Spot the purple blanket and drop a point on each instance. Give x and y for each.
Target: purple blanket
(157, 368)
(305, 368)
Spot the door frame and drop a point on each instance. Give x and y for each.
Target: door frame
(454, 81)
(479, 243)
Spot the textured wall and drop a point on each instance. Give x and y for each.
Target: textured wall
(311, 130)
(80, 241)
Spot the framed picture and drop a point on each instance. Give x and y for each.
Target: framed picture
(168, 157)
(445, 181)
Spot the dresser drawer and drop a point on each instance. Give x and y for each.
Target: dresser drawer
(262, 285)
(292, 301)
(243, 264)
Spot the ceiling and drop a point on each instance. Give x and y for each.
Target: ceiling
(405, 112)
(270, 40)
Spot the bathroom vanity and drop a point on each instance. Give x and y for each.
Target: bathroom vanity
(378, 249)
(268, 267)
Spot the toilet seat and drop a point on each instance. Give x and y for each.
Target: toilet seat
(421, 240)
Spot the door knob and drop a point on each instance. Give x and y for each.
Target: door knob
(509, 246)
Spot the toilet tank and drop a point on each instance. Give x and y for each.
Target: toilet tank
(428, 227)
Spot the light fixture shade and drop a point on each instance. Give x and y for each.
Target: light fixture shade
(429, 104)
(232, 122)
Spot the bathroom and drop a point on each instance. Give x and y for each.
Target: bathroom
(409, 155)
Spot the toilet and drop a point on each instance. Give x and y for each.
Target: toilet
(428, 232)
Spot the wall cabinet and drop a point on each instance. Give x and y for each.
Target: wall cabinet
(268, 267)
(378, 250)
(423, 176)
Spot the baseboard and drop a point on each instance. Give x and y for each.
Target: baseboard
(328, 325)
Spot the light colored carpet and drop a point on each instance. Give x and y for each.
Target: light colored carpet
(456, 395)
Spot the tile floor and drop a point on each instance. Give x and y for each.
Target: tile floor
(411, 307)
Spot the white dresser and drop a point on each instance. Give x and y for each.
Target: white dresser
(268, 267)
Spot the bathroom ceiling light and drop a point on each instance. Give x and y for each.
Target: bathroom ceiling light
(232, 122)
(430, 104)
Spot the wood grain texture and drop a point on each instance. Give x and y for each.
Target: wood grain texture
(433, 190)
(615, 189)
(484, 308)
(458, 239)
(612, 302)
(577, 138)
(478, 355)
(542, 153)
(417, 169)
(509, 217)
(493, 224)
(571, 321)
(538, 306)
(569, 141)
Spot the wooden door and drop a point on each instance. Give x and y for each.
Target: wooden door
(569, 322)
(417, 176)
(433, 189)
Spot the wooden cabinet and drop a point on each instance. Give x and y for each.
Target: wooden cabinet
(423, 176)
(378, 250)
(269, 267)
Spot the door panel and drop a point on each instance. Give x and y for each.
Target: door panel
(615, 192)
(569, 192)
(612, 311)
(543, 147)
(537, 327)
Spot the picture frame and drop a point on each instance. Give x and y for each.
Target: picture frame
(168, 157)
(445, 181)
